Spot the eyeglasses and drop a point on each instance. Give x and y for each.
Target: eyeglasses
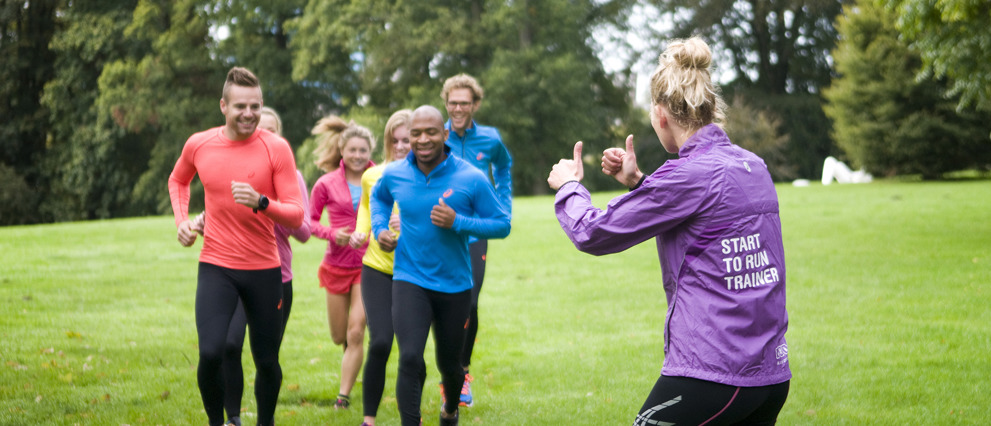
(462, 105)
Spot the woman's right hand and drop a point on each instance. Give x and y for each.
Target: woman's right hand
(621, 164)
(357, 240)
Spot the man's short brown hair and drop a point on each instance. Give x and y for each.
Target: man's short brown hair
(239, 76)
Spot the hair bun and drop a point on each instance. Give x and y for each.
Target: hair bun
(682, 82)
(692, 53)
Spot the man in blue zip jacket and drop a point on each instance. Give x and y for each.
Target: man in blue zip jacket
(442, 201)
(482, 147)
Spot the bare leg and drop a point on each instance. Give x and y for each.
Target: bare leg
(354, 350)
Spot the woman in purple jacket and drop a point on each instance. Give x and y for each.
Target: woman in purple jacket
(714, 215)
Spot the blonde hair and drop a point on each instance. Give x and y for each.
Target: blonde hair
(332, 133)
(278, 120)
(682, 83)
(398, 119)
(462, 81)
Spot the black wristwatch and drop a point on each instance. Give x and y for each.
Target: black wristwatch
(262, 204)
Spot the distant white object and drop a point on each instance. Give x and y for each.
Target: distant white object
(800, 182)
(835, 169)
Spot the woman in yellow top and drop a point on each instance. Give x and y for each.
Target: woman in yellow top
(376, 270)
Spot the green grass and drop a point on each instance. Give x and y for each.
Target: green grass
(889, 289)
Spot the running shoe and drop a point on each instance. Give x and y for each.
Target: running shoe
(466, 399)
(233, 421)
(444, 421)
(342, 403)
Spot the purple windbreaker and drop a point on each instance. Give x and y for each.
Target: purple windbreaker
(714, 213)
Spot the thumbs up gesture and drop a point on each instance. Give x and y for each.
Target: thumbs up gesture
(442, 215)
(567, 170)
(621, 164)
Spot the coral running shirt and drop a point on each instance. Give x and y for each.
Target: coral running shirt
(236, 237)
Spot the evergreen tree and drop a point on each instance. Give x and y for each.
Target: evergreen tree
(26, 30)
(886, 120)
(91, 165)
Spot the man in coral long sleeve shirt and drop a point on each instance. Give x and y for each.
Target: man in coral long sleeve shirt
(249, 178)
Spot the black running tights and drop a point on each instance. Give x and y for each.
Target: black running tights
(477, 250)
(376, 295)
(217, 293)
(684, 400)
(411, 319)
(233, 373)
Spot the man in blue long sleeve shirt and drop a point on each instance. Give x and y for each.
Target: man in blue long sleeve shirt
(482, 147)
(442, 201)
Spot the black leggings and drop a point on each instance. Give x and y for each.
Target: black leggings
(477, 250)
(217, 293)
(688, 401)
(411, 319)
(233, 373)
(376, 294)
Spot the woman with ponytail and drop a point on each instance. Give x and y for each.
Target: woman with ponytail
(714, 215)
(376, 272)
(344, 153)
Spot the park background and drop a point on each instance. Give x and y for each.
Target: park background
(99, 96)
(887, 281)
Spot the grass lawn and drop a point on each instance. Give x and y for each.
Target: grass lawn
(889, 289)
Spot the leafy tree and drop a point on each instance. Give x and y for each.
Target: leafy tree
(26, 30)
(91, 165)
(885, 119)
(953, 39)
(18, 198)
(171, 90)
(549, 90)
(779, 53)
(395, 51)
(545, 87)
(779, 46)
(260, 39)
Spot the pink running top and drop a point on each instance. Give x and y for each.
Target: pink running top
(235, 237)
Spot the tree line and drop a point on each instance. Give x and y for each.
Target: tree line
(99, 96)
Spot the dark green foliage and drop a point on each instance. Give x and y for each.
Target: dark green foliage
(26, 64)
(260, 38)
(545, 87)
(18, 198)
(164, 93)
(776, 46)
(779, 53)
(886, 120)
(91, 163)
(549, 93)
(954, 42)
